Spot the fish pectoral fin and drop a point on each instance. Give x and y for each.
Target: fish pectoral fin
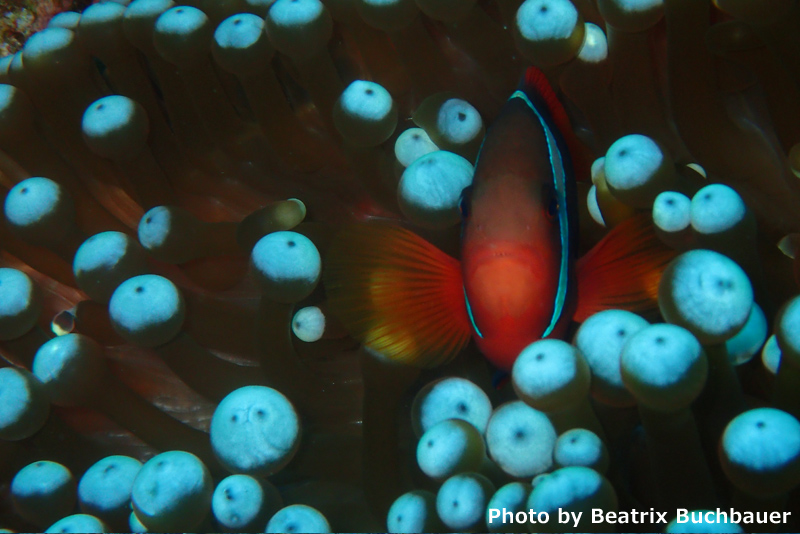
(397, 294)
(623, 270)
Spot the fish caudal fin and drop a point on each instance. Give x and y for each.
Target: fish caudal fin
(397, 294)
(623, 270)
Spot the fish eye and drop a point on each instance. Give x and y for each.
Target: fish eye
(552, 208)
(464, 202)
(550, 202)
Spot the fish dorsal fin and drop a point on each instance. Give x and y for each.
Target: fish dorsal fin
(397, 294)
(623, 270)
(536, 82)
(538, 88)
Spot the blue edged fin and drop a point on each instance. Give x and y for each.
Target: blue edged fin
(537, 87)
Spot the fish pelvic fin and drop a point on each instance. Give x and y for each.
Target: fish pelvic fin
(398, 294)
(623, 270)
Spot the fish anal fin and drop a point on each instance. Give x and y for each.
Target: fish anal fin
(397, 293)
(623, 270)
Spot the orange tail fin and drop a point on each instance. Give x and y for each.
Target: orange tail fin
(623, 270)
(397, 294)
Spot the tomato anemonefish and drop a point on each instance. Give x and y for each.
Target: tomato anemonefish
(518, 280)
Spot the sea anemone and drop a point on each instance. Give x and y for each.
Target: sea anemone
(175, 174)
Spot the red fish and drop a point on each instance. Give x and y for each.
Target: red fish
(518, 279)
